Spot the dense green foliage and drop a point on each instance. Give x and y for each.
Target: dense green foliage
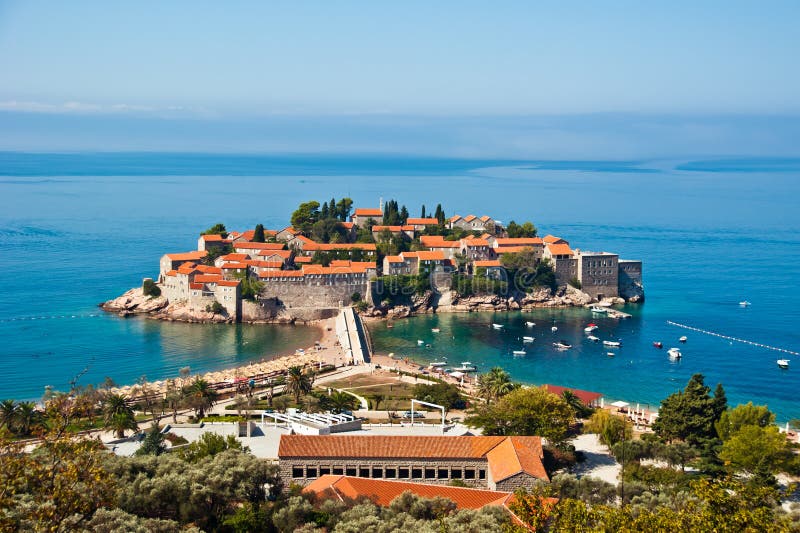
(494, 384)
(258, 233)
(527, 229)
(690, 415)
(445, 394)
(471, 285)
(216, 229)
(527, 273)
(216, 308)
(400, 289)
(149, 288)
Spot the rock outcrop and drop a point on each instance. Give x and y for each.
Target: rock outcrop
(135, 302)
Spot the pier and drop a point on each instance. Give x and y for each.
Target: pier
(351, 335)
(729, 338)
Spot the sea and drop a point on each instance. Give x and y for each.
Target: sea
(77, 229)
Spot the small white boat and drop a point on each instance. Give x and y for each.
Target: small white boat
(530, 324)
(435, 330)
(783, 363)
(528, 339)
(466, 366)
(519, 352)
(613, 344)
(497, 326)
(683, 339)
(745, 303)
(610, 354)
(554, 329)
(420, 342)
(598, 309)
(438, 364)
(590, 328)
(562, 345)
(593, 338)
(674, 353)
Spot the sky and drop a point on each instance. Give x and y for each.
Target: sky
(456, 78)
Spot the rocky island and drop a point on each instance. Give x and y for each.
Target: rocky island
(382, 261)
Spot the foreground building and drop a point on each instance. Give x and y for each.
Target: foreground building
(496, 463)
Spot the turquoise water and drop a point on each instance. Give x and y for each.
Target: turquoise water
(79, 229)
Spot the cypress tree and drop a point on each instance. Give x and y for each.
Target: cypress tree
(258, 234)
(324, 211)
(423, 211)
(332, 209)
(403, 215)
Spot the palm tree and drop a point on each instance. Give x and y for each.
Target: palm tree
(26, 418)
(495, 384)
(298, 382)
(201, 396)
(341, 401)
(578, 407)
(117, 415)
(8, 412)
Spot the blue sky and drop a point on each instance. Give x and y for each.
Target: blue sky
(462, 69)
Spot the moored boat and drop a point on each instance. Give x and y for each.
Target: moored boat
(613, 344)
(519, 352)
(745, 303)
(590, 328)
(593, 338)
(466, 366)
(683, 339)
(674, 353)
(420, 342)
(610, 354)
(435, 330)
(530, 324)
(783, 363)
(562, 345)
(497, 326)
(658, 344)
(554, 329)
(528, 339)
(598, 309)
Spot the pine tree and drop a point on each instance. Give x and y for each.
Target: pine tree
(332, 209)
(324, 212)
(258, 234)
(403, 215)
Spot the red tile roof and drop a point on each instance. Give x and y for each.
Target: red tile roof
(264, 264)
(394, 259)
(453, 218)
(283, 254)
(518, 241)
(325, 247)
(302, 259)
(422, 221)
(406, 447)
(196, 286)
(207, 269)
(234, 257)
(559, 249)
(234, 266)
(472, 243)
(259, 246)
(587, 397)
(228, 282)
(517, 455)
(395, 229)
(367, 212)
(212, 238)
(485, 218)
(207, 278)
(550, 239)
(187, 256)
(490, 263)
(425, 255)
(513, 249)
(281, 274)
(347, 225)
(469, 218)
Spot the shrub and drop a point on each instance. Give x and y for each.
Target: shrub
(355, 297)
(149, 288)
(575, 282)
(216, 308)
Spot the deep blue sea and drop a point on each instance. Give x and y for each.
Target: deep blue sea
(77, 229)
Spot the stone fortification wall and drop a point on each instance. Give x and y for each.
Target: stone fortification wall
(630, 280)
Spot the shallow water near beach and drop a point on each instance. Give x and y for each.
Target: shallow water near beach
(76, 230)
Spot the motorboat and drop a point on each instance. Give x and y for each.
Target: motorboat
(674, 353)
(562, 345)
(519, 352)
(745, 303)
(783, 363)
(438, 364)
(658, 344)
(554, 329)
(610, 354)
(590, 328)
(598, 309)
(683, 339)
(420, 342)
(497, 326)
(530, 324)
(466, 366)
(613, 344)
(593, 338)
(528, 339)
(435, 330)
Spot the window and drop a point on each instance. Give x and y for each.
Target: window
(324, 470)
(481, 474)
(455, 473)
(311, 471)
(430, 473)
(297, 471)
(469, 473)
(377, 473)
(391, 473)
(443, 473)
(416, 473)
(338, 471)
(402, 473)
(363, 472)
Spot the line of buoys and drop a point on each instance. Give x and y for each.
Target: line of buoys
(728, 337)
(52, 317)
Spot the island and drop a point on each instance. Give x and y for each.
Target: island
(383, 262)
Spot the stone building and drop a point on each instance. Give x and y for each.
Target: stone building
(476, 249)
(598, 273)
(630, 280)
(420, 224)
(173, 261)
(562, 260)
(496, 463)
(362, 215)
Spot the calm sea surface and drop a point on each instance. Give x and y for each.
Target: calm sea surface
(79, 229)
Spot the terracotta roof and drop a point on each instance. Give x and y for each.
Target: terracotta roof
(559, 249)
(212, 238)
(228, 282)
(187, 268)
(258, 246)
(207, 278)
(367, 212)
(311, 246)
(517, 455)
(364, 446)
(437, 241)
(302, 259)
(264, 264)
(550, 239)
(249, 234)
(422, 221)
(187, 256)
(453, 218)
(284, 254)
(290, 230)
(234, 257)
(171, 273)
(485, 218)
(358, 267)
(347, 225)
(469, 218)
(234, 266)
(587, 397)
(207, 269)
(382, 491)
(491, 263)
(471, 243)
(394, 259)
(518, 241)
(425, 255)
(196, 286)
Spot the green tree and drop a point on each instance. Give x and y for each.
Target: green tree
(343, 208)
(323, 213)
(153, 443)
(118, 415)
(258, 233)
(581, 409)
(753, 447)
(439, 214)
(328, 230)
(422, 213)
(299, 382)
(8, 411)
(200, 396)
(339, 401)
(445, 394)
(526, 229)
(209, 445)
(494, 384)
(27, 418)
(216, 229)
(610, 428)
(525, 411)
(305, 216)
(740, 416)
(688, 415)
(149, 288)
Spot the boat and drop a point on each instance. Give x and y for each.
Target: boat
(745, 303)
(420, 342)
(598, 309)
(554, 329)
(783, 363)
(435, 330)
(438, 364)
(530, 324)
(610, 354)
(593, 338)
(497, 326)
(389, 325)
(590, 328)
(528, 339)
(466, 366)
(519, 352)
(562, 345)
(658, 344)
(613, 344)
(674, 353)
(683, 339)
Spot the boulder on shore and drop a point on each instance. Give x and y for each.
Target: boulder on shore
(135, 302)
